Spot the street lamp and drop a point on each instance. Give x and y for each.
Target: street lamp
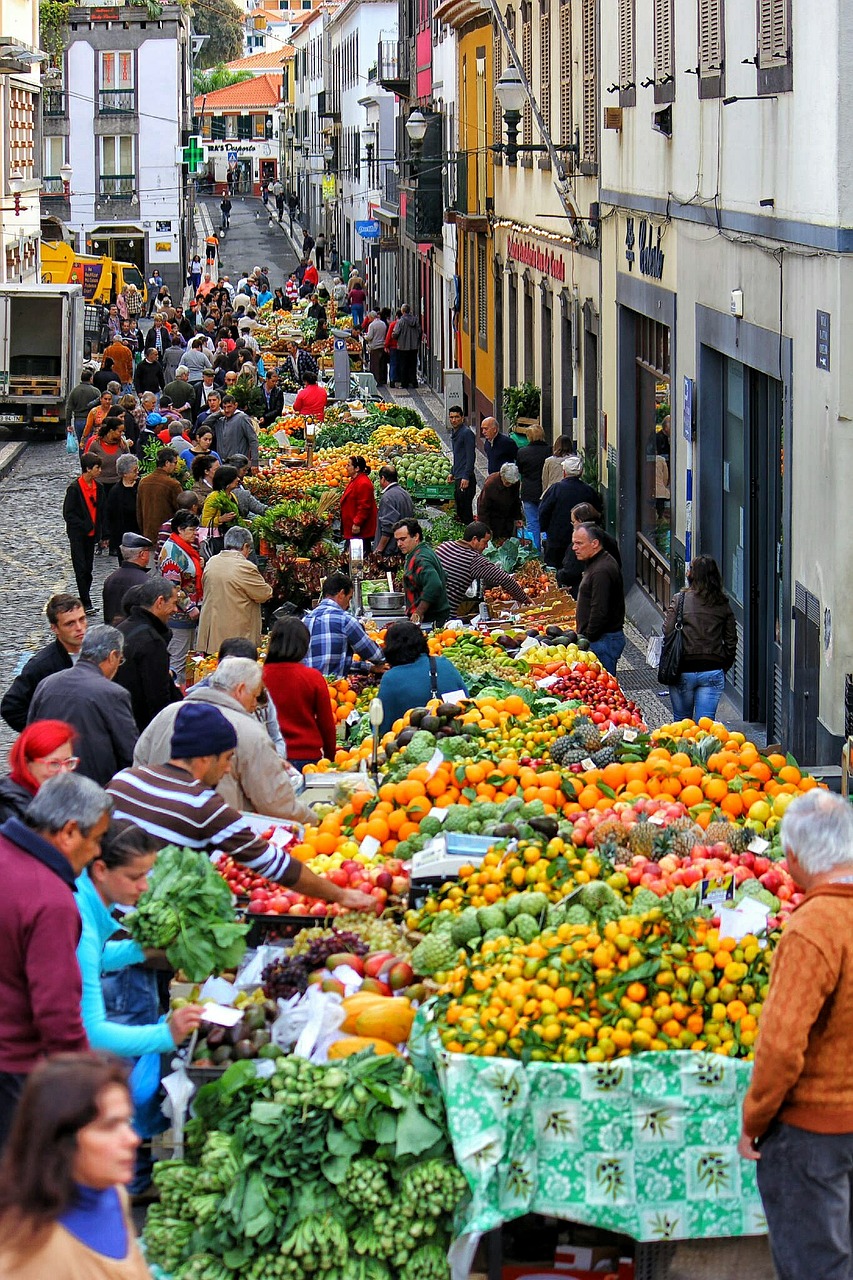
(16, 186)
(328, 154)
(65, 173)
(512, 97)
(368, 134)
(416, 127)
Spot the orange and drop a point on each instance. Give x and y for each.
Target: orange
(732, 804)
(715, 789)
(379, 829)
(408, 789)
(588, 798)
(788, 773)
(691, 795)
(636, 772)
(325, 842)
(396, 819)
(418, 808)
(515, 705)
(614, 775)
(406, 830)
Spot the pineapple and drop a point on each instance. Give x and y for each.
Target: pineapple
(624, 857)
(586, 734)
(720, 832)
(611, 831)
(641, 837)
(685, 833)
(608, 851)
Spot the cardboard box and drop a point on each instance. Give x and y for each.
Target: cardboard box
(578, 1257)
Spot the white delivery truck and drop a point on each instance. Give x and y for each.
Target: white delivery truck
(41, 353)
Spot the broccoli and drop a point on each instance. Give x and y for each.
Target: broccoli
(421, 747)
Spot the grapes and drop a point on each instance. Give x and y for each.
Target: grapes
(285, 978)
(289, 977)
(321, 948)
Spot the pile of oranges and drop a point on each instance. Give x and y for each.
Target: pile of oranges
(577, 994)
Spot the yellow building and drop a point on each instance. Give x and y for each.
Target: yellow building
(474, 201)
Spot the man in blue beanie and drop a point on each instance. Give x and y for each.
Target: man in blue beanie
(176, 804)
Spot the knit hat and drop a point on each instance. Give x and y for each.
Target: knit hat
(201, 730)
(573, 466)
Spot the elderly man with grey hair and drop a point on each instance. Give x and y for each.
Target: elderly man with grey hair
(87, 698)
(798, 1112)
(41, 992)
(259, 780)
(497, 447)
(182, 393)
(234, 591)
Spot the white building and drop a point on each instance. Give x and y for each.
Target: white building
(727, 279)
(20, 164)
(119, 121)
(360, 122)
(306, 161)
(266, 28)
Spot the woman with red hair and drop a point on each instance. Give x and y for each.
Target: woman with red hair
(41, 751)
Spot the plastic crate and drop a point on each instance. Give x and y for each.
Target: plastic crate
(432, 492)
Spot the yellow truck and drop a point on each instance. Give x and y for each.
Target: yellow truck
(101, 278)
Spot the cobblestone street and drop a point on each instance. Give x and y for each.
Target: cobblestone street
(34, 558)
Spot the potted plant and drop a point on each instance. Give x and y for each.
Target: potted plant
(521, 410)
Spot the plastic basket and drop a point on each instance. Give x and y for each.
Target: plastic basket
(432, 492)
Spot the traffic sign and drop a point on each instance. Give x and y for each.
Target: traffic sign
(232, 157)
(369, 229)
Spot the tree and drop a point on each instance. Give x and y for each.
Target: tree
(218, 77)
(223, 22)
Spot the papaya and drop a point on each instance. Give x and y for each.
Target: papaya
(390, 1020)
(354, 1044)
(355, 1005)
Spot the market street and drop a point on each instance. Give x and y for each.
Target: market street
(249, 241)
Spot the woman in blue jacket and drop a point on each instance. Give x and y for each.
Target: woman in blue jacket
(414, 676)
(118, 877)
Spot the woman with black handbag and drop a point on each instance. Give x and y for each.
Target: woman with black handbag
(700, 643)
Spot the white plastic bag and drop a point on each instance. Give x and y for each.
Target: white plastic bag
(308, 1024)
(653, 651)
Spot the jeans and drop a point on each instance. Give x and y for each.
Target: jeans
(697, 694)
(806, 1185)
(608, 649)
(181, 641)
(531, 515)
(357, 315)
(392, 365)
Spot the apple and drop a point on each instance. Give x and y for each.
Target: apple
(316, 978)
(400, 975)
(339, 877)
(383, 880)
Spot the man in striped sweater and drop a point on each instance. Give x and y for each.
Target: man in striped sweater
(176, 804)
(463, 563)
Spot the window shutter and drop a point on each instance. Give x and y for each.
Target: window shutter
(663, 40)
(527, 67)
(590, 81)
(482, 294)
(545, 68)
(497, 68)
(566, 73)
(626, 44)
(710, 37)
(773, 34)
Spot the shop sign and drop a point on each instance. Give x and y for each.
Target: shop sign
(229, 149)
(530, 254)
(329, 187)
(163, 246)
(822, 340)
(368, 230)
(643, 249)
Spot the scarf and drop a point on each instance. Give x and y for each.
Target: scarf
(90, 497)
(195, 556)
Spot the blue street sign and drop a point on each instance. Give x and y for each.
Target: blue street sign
(368, 230)
(232, 157)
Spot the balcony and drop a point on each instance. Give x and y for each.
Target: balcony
(425, 215)
(53, 103)
(329, 104)
(117, 102)
(117, 186)
(392, 64)
(391, 192)
(52, 186)
(55, 203)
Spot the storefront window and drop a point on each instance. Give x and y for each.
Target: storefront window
(654, 497)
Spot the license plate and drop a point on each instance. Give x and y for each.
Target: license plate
(9, 417)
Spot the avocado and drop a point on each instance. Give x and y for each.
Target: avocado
(448, 710)
(222, 1055)
(417, 714)
(430, 724)
(216, 1037)
(506, 831)
(582, 643)
(255, 1019)
(260, 1038)
(570, 637)
(551, 631)
(270, 1051)
(244, 1049)
(200, 1050)
(405, 737)
(545, 826)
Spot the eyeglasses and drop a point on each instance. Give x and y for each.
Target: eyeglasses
(66, 765)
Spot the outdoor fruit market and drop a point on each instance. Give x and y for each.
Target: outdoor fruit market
(553, 1009)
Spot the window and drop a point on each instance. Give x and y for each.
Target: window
(711, 36)
(664, 42)
(116, 70)
(466, 297)
(482, 118)
(628, 53)
(21, 131)
(54, 159)
(545, 68)
(775, 61)
(244, 127)
(259, 126)
(497, 69)
(217, 127)
(482, 295)
(566, 121)
(589, 17)
(527, 68)
(117, 178)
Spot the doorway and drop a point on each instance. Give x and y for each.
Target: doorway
(267, 172)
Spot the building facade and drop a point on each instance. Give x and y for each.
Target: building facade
(119, 119)
(726, 271)
(310, 43)
(240, 130)
(20, 161)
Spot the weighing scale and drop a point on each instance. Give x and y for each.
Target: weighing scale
(440, 860)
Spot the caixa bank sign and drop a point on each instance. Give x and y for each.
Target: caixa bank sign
(532, 255)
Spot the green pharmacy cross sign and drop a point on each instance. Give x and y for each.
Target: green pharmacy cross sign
(193, 155)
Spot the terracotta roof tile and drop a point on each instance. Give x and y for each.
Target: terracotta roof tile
(260, 92)
(266, 58)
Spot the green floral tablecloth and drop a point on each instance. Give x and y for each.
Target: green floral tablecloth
(644, 1145)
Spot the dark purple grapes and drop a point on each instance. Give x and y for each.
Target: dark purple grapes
(320, 950)
(285, 978)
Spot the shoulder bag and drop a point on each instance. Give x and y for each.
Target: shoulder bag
(212, 545)
(433, 677)
(672, 652)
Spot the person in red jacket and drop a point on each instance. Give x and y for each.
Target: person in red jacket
(41, 991)
(299, 694)
(358, 504)
(312, 399)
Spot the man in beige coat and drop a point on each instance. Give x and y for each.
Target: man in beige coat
(258, 781)
(234, 591)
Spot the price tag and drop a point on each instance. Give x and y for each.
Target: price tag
(717, 892)
(435, 760)
(657, 820)
(587, 764)
(353, 717)
(439, 814)
(222, 1015)
(629, 735)
(758, 845)
(547, 682)
(369, 846)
